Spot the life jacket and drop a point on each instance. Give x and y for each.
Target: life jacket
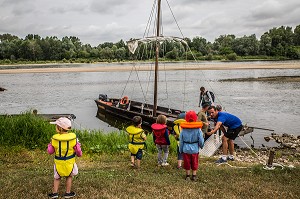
(159, 133)
(191, 125)
(176, 127)
(64, 153)
(136, 140)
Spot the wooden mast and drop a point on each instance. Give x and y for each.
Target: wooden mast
(156, 58)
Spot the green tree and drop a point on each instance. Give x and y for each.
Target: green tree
(246, 45)
(296, 37)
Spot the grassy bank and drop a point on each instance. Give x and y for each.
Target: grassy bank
(28, 174)
(26, 169)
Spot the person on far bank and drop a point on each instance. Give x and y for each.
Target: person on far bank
(234, 125)
(137, 138)
(206, 97)
(202, 116)
(161, 139)
(191, 138)
(65, 146)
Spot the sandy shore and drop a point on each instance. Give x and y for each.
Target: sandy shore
(46, 68)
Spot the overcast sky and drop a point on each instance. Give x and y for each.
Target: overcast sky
(98, 21)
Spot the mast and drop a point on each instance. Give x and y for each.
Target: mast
(156, 58)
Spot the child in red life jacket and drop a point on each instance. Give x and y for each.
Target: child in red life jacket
(65, 146)
(191, 138)
(161, 139)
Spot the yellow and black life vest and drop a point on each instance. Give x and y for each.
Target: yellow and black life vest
(136, 141)
(64, 153)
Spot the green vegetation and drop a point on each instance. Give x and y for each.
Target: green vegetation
(278, 43)
(31, 132)
(27, 170)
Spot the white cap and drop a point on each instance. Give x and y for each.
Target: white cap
(63, 122)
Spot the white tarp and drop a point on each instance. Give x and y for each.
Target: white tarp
(133, 44)
(211, 145)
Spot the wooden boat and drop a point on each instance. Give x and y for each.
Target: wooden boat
(126, 108)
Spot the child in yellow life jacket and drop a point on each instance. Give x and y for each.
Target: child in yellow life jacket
(176, 132)
(65, 146)
(137, 139)
(191, 138)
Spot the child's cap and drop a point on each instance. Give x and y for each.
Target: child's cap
(63, 122)
(191, 116)
(181, 115)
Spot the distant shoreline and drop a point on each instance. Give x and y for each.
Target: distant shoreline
(146, 67)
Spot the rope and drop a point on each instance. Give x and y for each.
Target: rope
(225, 163)
(150, 19)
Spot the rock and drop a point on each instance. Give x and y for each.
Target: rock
(285, 135)
(267, 139)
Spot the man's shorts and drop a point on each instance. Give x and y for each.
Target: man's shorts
(233, 133)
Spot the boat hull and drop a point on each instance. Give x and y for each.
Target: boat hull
(133, 108)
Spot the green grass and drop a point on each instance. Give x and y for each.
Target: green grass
(26, 169)
(29, 174)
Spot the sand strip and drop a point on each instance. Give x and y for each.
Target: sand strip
(201, 66)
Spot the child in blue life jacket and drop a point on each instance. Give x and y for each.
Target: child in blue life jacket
(161, 139)
(65, 146)
(191, 138)
(176, 132)
(137, 138)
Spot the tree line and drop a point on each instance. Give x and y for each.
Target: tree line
(278, 43)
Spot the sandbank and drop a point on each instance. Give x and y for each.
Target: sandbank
(46, 68)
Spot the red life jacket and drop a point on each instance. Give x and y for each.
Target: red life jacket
(159, 133)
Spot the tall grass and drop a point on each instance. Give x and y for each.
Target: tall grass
(29, 131)
(25, 130)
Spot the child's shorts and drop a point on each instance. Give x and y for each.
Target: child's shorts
(73, 173)
(190, 161)
(138, 155)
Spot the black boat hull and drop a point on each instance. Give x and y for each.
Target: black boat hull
(133, 108)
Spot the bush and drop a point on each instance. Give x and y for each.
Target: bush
(231, 56)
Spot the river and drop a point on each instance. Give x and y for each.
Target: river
(266, 104)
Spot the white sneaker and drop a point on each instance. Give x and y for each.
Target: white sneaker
(165, 164)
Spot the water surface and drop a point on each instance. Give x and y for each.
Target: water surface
(272, 105)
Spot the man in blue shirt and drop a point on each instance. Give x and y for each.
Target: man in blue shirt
(234, 126)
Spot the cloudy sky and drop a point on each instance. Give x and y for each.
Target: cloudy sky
(98, 21)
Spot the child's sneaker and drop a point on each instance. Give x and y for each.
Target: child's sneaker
(194, 178)
(187, 177)
(53, 195)
(165, 164)
(179, 167)
(220, 161)
(70, 195)
(230, 158)
(132, 164)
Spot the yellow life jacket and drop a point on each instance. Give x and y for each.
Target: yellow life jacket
(177, 128)
(64, 153)
(136, 139)
(191, 125)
